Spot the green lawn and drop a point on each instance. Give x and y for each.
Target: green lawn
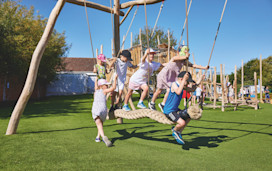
(58, 134)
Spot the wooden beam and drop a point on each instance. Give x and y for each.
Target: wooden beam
(33, 69)
(116, 27)
(235, 84)
(130, 8)
(261, 79)
(214, 89)
(94, 5)
(222, 86)
(131, 39)
(242, 80)
(168, 50)
(256, 94)
(101, 49)
(139, 2)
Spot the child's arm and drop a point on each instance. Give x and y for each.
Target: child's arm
(180, 58)
(145, 56)
(96, 84)
(179, 89)
(198, 66)
(132, 66)
(113, 61)
(111, 89)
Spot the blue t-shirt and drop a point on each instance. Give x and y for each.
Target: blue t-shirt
(172, 102)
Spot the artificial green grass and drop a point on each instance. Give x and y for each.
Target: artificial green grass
(58, 134)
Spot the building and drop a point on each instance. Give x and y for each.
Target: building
(77, 77)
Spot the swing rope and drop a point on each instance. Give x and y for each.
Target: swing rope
(147, 39)
(184, 24)
(217, 31)
(157, 20)
(88, 26)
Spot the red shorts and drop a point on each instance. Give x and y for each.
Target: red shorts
(184, 94)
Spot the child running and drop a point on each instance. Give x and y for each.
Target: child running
(169, 74)
(171, 110)
(99, 108)
(100, 68)
(140, 78)
(121, 64)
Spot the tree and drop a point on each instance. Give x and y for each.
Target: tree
(153, 42)
(20, 32)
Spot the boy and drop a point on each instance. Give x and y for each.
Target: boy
(140, 78)
(121, 70)
(171, 110)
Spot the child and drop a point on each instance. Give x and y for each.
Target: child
(99, 109)
(198, 93)
(140, 78)
(169, 74)
(267, 97)
(171, 110)
(121, 69)
(100, 68)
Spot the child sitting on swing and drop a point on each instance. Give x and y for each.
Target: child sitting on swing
(171, 110)
(100, 68)
(121, 64)
(99, 108)
(140, 78)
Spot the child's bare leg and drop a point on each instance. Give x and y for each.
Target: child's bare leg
(182, 127)
(129, 93)
(119, 96)
(144, 93)
(99, 125)
(165, 96)
(156, 94)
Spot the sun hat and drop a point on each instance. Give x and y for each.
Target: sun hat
(103, 82)
(126, 54)
(152, 51)
(102, 57)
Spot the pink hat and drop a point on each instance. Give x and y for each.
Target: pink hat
(103, 82)
(102, 57)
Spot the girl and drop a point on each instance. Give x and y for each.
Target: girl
(140, 78)
(169, 74)
(99, 109)
(100, 68)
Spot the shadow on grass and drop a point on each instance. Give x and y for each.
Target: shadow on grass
(195, 143)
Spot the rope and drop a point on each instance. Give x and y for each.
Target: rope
(157, 20)
(147, 39)
(187, 61)
(142, 113)
(88, 26)
(217, 31)
(184, 23)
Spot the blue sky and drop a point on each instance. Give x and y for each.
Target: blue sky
(245, 32)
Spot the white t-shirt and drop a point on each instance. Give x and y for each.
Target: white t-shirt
(121, 69)
(198, 91)
(141, 75)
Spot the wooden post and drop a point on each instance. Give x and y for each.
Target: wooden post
(33, 69)
(256, 94)
(210, 90)
(112, 47)
(235, 84)
(261, 79)
(131, 39)
(214, 88)
(116, 27)
(97, 53)
(158, 39)
(222, 86)
(101, 49)
(140, 36)
(168, 52)
(242, 81)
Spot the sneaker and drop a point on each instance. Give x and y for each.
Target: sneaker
(161, 106)
(151, 106)
(178, 137)
(126, 108)
(141, 105)
(107, 141)
(97, 139)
